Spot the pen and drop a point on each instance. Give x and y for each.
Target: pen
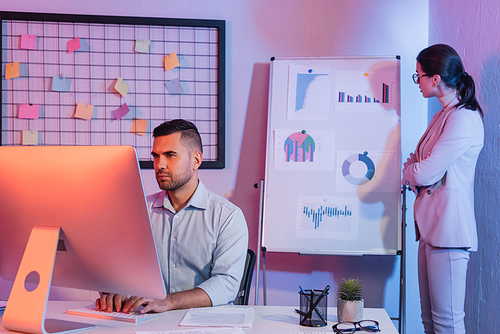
(313, 307)
(318, 312)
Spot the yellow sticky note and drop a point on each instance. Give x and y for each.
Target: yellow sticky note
(170, 61)
(84, 111)
(11, 70)
(30, 137)
(139, 126)
(121, 87)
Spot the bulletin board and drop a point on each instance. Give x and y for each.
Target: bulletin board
(110, 80)
(333, 160)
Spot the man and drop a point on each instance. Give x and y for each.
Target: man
(201, 238)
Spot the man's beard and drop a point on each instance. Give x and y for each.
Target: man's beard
(176, 181)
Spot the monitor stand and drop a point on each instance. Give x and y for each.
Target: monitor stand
(25, 311)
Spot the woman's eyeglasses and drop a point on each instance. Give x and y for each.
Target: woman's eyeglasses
(351, 327)
(417, 77)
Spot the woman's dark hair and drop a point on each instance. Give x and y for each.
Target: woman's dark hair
(442, 59)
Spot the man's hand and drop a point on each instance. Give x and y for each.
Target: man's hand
(119, 303)
(154, 305)
(110, 302)
(178, 300)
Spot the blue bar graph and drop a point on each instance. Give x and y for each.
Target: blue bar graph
(316, 215)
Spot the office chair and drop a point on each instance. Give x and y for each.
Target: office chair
(246, 280)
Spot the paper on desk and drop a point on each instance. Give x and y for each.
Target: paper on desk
(220, 316)
(200, 331)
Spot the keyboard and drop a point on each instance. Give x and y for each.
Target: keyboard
(129, 317)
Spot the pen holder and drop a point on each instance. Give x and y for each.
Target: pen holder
(313, 308)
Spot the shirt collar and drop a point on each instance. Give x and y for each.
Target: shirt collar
(198, 200)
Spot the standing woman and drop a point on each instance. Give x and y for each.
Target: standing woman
(441, 172)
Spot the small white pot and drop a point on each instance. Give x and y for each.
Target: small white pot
(350, 310)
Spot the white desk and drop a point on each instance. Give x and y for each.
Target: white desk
(267, 319)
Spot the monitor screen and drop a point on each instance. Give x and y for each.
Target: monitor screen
(95, 195)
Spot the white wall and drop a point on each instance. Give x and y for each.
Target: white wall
(258, 30)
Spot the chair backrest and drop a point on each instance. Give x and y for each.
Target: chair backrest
(246, 280)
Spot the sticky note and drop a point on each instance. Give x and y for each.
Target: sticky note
(139, 126)
(170, 61)
(183, 61)
(142, 45)
(174, 86)
(84, 111)
(11, 70)
(73, 44)
(30, 137)
(28, 111)
(120, 112)
(61, 84)
(121, 87)
(28, 42)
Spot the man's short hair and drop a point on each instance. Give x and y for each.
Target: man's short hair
(189, 132)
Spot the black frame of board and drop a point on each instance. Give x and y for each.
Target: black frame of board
(135, 20)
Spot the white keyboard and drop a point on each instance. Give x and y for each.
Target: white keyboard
(129, 317)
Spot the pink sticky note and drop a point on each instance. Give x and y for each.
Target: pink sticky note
(11, 70)
(120, 112)
(28, 42)
(73, 44)
(139, 126)
(30, 137)
(84, 111)
(170, 61)
(28, 111)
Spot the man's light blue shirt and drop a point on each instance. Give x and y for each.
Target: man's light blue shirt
(203, 245)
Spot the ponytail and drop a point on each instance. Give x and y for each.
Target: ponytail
(466, 93)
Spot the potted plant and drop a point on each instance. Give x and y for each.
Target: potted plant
(350, 300)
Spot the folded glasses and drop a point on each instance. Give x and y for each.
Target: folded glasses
(347, 327)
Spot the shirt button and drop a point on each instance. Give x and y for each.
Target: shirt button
(429, 192)
(172, 265)
(173, 239)
(173, 290)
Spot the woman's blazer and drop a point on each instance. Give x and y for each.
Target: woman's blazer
(443, 174)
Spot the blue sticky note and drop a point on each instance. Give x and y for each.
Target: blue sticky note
(174, 86)
(61, 84)
(183, 61)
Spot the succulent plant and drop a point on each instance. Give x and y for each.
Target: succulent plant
(350, 290)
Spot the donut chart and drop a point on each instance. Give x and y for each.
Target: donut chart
(363, 158)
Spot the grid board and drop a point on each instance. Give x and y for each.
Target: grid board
(106, 54)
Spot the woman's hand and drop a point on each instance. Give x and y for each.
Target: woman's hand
(412, 159)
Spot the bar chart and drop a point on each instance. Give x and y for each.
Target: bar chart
(327, 217)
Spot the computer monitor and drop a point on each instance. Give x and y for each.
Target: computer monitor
(83, 206)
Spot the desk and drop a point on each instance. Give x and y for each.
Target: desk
(267, 319)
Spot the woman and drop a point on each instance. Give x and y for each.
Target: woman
(441, 172)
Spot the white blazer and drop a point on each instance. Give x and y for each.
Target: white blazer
(443, 174)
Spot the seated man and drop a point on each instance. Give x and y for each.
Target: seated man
(201, 238)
